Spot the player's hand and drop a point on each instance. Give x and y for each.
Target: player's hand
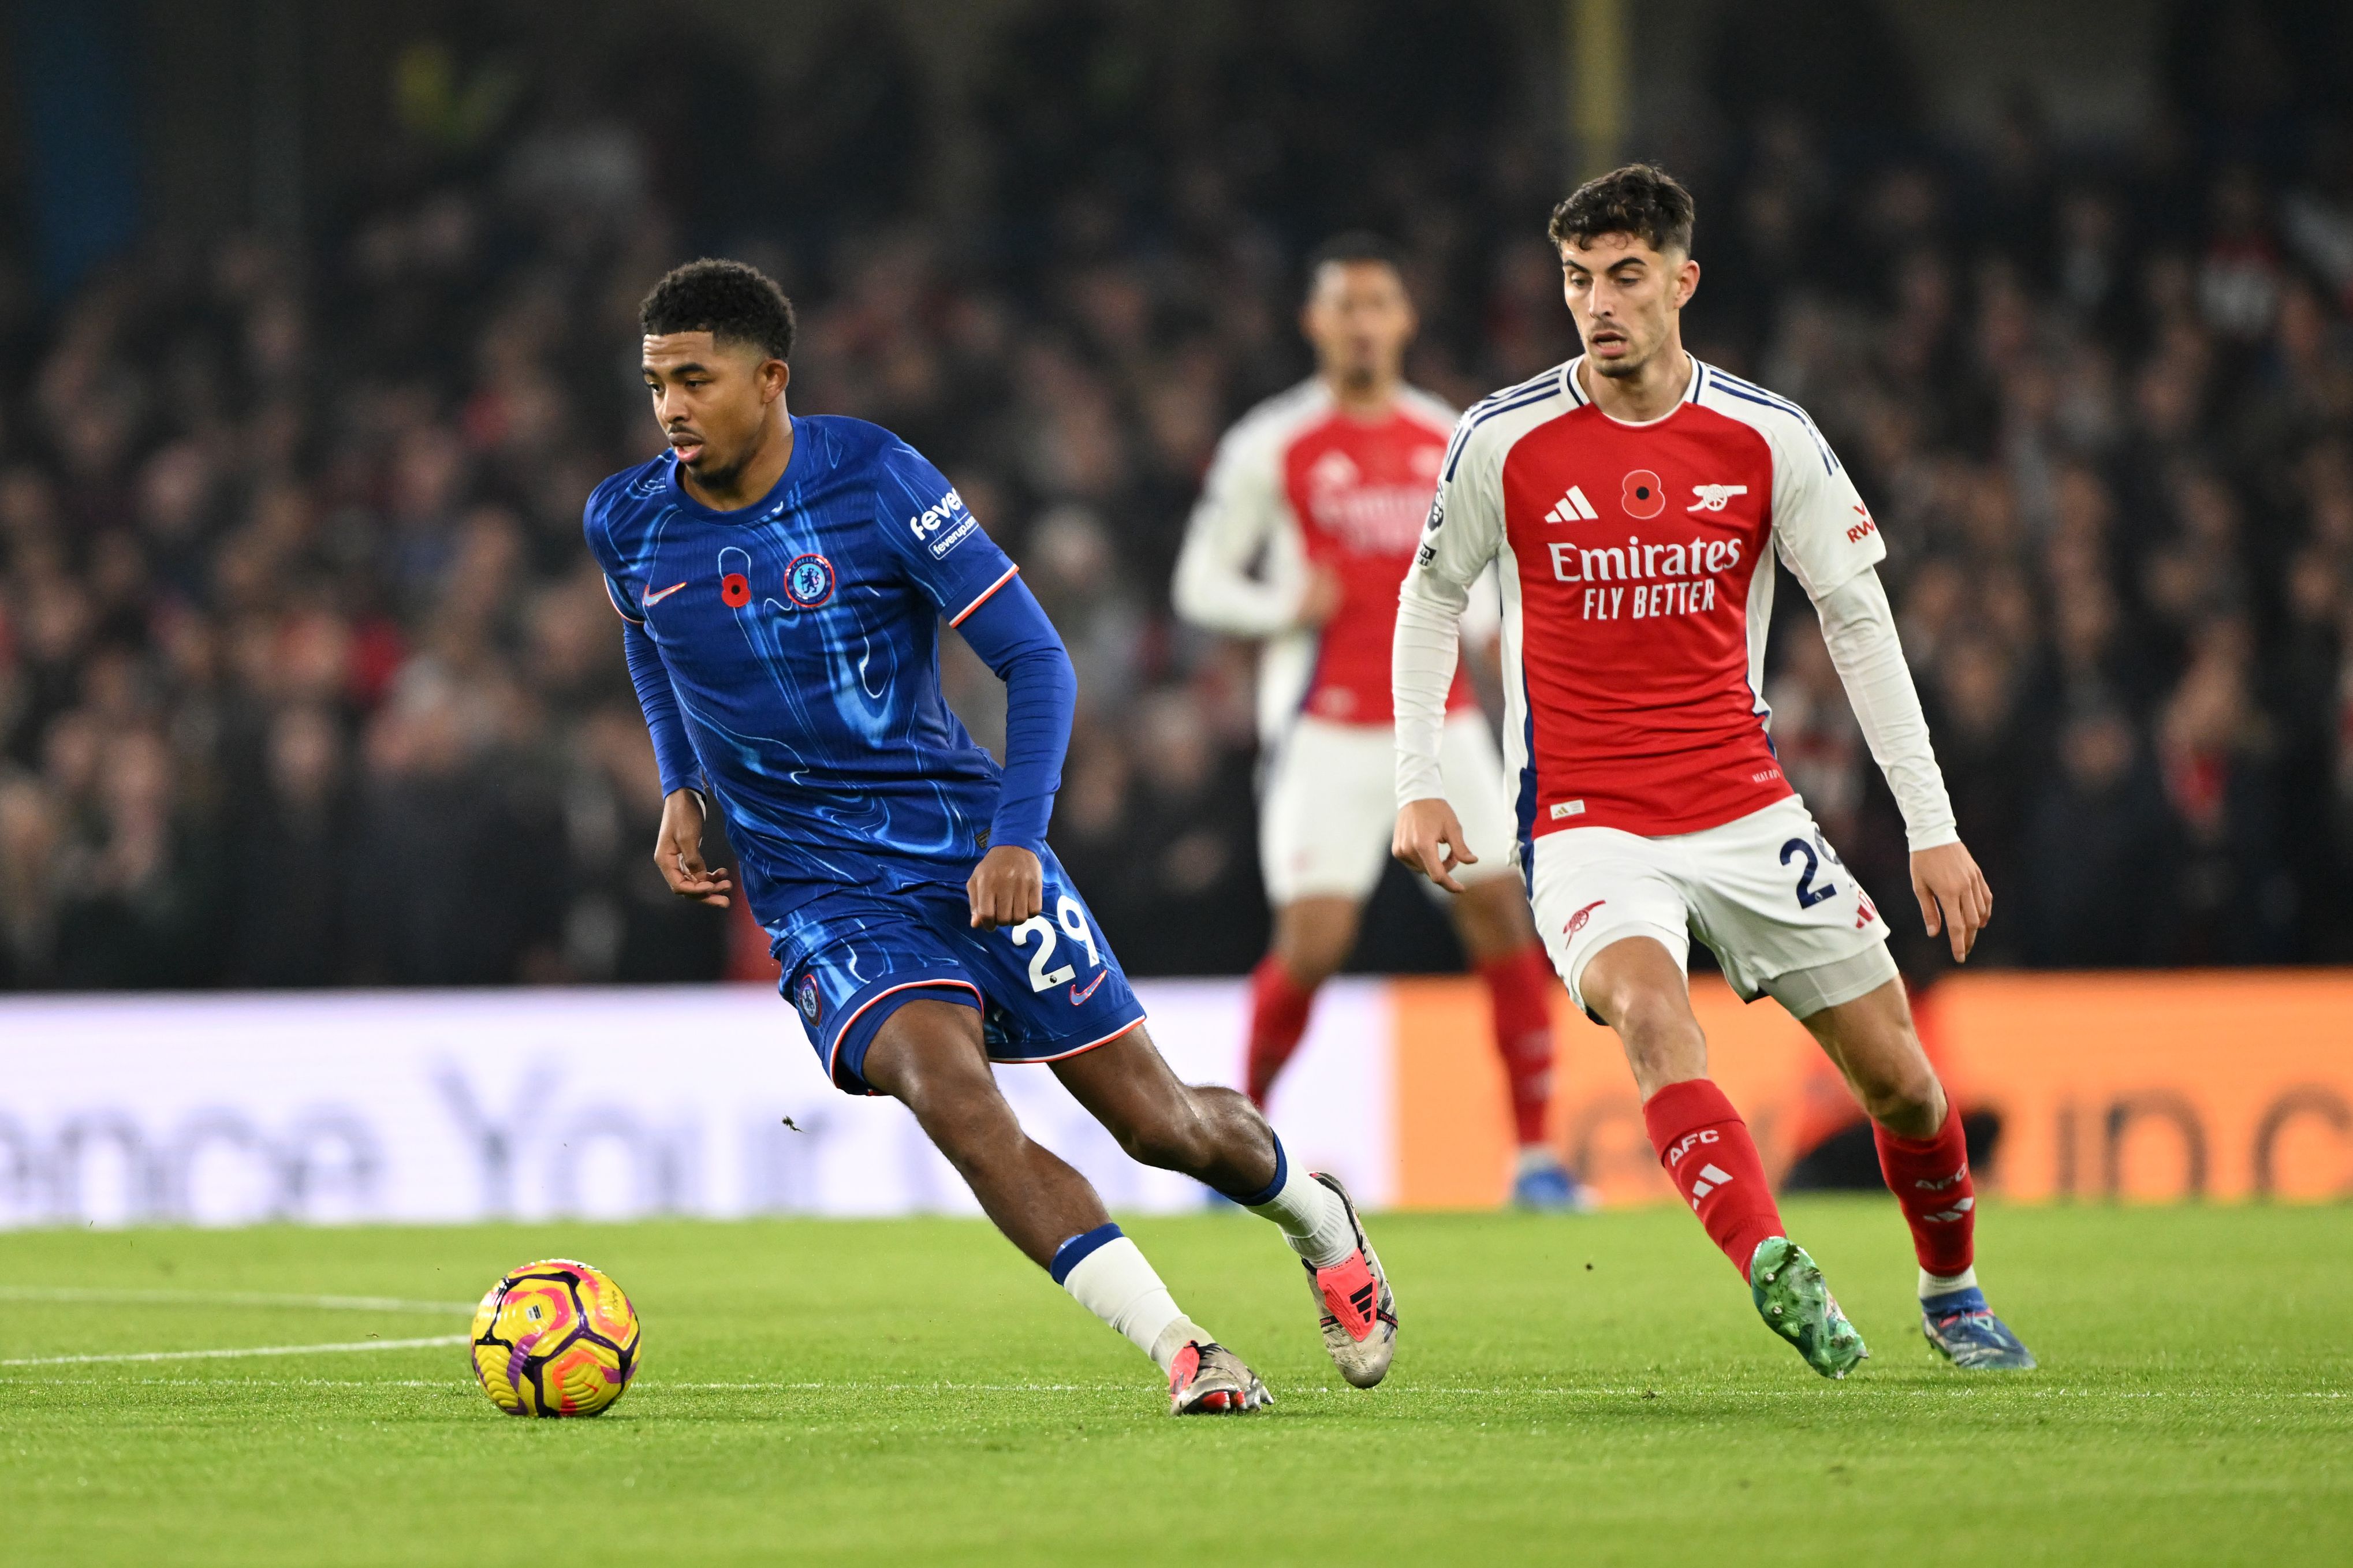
(1430, 841)
(1319, 601)
(677, 850)
(1007, 887)
(1953, 897)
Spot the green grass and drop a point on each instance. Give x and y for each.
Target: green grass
(1567, 1390)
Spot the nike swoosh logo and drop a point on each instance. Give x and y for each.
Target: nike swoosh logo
(654, 598)
(1078, 996)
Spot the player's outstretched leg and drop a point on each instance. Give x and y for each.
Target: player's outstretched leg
(1218, 1138)
(1638, 988)
(1926, 1164)
(928, 1055)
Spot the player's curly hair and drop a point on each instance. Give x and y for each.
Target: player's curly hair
(730, 301)
(1640, 199)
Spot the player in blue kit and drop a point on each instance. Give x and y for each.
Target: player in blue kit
(784, 580)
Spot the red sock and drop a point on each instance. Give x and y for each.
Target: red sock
(1519, 1000)
(1708, 1154)
(1930, 1179)
(1279, 1007)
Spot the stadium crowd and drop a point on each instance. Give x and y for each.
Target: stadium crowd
(306, 677)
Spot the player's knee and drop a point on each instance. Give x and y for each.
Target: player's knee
(1900, 1092)
(1651, 1022)
(956, 1101)
(1663, 1042)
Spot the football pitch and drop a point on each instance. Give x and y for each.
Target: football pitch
(1575, 1390)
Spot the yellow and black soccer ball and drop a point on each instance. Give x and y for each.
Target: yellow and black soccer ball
(555, 1338)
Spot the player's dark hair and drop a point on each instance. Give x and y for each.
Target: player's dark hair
(732, 302)
(1356, 245)
(1640, 199)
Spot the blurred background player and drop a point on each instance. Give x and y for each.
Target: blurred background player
(1631, 498)
(1306, 522)
(783, 581)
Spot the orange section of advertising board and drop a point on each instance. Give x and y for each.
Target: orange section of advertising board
(2159, 1085)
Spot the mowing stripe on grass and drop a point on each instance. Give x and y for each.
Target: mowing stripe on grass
(227, 1298)
(253, 1350)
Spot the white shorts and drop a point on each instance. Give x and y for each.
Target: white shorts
(1327, 811)
(1766, 892)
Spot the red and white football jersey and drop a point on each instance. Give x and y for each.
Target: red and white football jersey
(1636, 589)
(1297, 482)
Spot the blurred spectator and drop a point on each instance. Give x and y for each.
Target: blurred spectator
(291, 869)
(2101, 850)
(137, 878)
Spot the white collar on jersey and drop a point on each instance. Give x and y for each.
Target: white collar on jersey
(1569, 384)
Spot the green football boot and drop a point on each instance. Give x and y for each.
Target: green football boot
(1796, 1303)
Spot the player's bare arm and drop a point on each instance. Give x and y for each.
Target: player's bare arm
(1007, 887)
(1430, 842)
(677, 851)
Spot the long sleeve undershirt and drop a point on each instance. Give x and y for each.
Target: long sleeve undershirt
(1857, 623)
(1859, 627)
(1013, 636)
(1421, 674)
(673, 753)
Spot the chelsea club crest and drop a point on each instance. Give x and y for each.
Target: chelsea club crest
(808, 581)
(806, 998)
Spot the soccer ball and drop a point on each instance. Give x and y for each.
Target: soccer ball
(555, 1338)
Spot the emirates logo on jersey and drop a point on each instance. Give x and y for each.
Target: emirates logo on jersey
(1369, 517)
(1332, 471)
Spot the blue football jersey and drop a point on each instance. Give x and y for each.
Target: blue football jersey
(801, 636)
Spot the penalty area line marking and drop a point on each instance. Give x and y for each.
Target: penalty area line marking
(251, 1350)
(99, 1296)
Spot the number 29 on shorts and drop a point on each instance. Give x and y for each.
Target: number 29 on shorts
(1073, 921)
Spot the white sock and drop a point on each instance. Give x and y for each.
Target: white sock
(1945, 1284)
(1116, 1283)
(1310, 1214)
(1537, 1157)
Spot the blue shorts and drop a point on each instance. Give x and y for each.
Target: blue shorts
(1045, 989)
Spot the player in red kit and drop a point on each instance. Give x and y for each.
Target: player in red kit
(1308, 519)
(1629, 500)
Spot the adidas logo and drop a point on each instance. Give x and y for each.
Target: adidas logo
(1573, 507)
(1710, 1176)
